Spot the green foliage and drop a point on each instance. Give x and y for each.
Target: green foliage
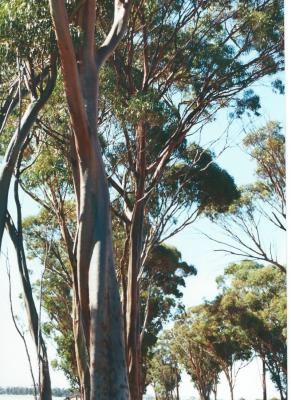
(32, 19)
(166, 270)
(164, 275)
(208, 341)
(249, 101)
(254, 296)
(195, 184)
(165, 374)
(199, 57)
(267, 147)
(201, 181)
(44, 241)
(181, 61)
(262, 201)
(49, 169)
(278, 86)
(201, 365)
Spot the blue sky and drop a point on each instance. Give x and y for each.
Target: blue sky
(195, 249)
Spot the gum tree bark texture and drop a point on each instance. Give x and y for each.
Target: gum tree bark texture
(98, 322)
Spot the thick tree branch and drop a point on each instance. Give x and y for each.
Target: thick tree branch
(121, 15)
(71, 77)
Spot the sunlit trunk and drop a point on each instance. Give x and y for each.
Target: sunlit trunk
(98, 322)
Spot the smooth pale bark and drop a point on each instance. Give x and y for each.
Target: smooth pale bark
(98, 322)
(107, 358)
(12, 152)
(32, 315)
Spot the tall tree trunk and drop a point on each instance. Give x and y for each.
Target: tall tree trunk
(133, 317)
(81, 349)
(8, 165)
(16, 235)
(135, 250)
(97, 302)
(107, 357)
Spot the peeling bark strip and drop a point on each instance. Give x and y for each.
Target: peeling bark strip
(98, 326)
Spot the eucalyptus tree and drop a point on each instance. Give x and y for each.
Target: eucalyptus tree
(179, 64)
(254, 298)
(264, 201)
(98, 323)
(55, 288)
(164, 274)
(164, 371)
(160, 299)
(188, 343)
(28, 75)
(224, 342)
(15, 232)
(48, 181)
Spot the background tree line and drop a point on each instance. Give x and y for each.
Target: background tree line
(19, 390)
(247, 319)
